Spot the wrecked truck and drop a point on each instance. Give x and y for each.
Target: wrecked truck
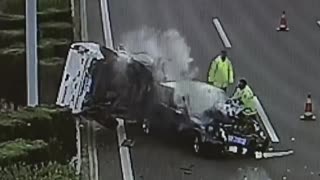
(102, 84)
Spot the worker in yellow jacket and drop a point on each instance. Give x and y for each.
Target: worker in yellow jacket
(221, 72)
(245, 94)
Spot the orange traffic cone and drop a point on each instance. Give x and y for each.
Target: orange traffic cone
(283, 23)
(308, 112)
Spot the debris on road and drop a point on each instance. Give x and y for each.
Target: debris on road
(260, 155)
(128, 143)
(187, 171)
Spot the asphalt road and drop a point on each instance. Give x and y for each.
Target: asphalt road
(107, 145)
(281, 68)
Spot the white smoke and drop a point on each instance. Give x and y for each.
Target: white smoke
(169, 50)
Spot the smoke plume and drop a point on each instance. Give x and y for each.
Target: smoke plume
(169, 50)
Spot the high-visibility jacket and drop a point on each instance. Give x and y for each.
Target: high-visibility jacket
(221, 73)
(246, 96)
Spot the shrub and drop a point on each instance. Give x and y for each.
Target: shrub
(55, 15)
(54, 126)
(59, 30)
(18, 6)
(23, 150)
(8, 21)
(43, 171)
(51, 71)
(9, 36)
(50, 48)
(11, 128)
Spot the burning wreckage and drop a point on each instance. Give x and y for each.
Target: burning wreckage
(101, 84)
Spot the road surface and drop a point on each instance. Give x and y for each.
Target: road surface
(281, 68)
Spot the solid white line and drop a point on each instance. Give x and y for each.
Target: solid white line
(90, 151)
(78, 133)
(84, 19)
(95, 154)
(106, 24)
(78, 139)
(222, 33)
(126, 165)
(266, 122)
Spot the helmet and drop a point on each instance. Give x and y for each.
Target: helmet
(243, 81)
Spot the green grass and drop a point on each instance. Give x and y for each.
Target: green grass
(6, 122)
(49, 171)
(35, 113)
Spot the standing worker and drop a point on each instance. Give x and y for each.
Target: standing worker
(245, 95)
(221, 72)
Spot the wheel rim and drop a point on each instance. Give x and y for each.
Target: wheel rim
(146, 128)
(196, 146)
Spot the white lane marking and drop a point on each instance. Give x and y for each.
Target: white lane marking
(106, 24)
(318, 22)
(84, 19)
(221, 32)
(266, 122)
(78, 133)
(277, 154)
(95, 154)
(78, 139)
(90, 151)
(93, 160)
(126, 165)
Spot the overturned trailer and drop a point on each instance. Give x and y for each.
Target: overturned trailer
(98, 81)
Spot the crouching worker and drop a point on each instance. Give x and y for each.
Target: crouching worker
(244, 93)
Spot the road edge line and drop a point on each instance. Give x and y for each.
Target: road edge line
(221, 32)
(83, 19)
(93, 160)
(125, 157)
(89, 138)
(126, 165)
(78, 142)
(106, 24)
(266, 121)
(95, 154)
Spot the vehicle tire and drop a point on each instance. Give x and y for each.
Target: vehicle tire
(146, 127)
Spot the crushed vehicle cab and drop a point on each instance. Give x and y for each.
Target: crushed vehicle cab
(204, 115)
